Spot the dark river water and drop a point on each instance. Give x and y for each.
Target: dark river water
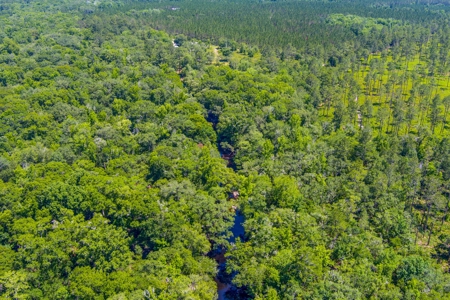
(224, 280)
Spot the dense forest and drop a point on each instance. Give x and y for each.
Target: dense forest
(135, 135)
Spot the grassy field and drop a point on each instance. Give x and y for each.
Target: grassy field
(404, 70)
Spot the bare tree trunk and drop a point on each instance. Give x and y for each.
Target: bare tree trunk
(417, 235)
(426, 219)
(431, 232)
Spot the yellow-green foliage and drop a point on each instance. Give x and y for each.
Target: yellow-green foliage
(411, 74)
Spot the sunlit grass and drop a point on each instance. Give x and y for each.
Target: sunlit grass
(404, 70)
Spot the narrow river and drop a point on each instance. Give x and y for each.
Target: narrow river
(223, 280)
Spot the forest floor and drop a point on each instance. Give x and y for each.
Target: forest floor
(404, 70)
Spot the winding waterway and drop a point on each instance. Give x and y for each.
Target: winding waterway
(223, 281)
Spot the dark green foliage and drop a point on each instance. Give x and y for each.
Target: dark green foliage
(123, 149)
